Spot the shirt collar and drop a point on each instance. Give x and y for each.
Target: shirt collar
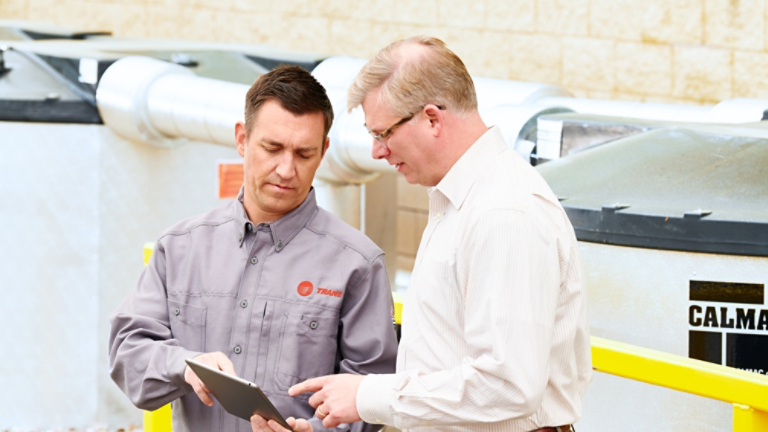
(470, 166)
(284, 229)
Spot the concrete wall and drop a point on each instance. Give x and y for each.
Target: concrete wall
(78, 204)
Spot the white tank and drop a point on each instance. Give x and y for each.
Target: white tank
(673, 232)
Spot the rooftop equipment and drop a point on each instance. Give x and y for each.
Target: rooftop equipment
(672, 225)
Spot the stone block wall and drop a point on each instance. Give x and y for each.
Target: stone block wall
(683, 51)
(686, 51)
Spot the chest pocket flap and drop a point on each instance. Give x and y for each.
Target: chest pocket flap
(307, 348)
(187, 325)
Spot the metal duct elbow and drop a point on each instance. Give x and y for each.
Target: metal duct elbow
(349, 157)
(164, 104)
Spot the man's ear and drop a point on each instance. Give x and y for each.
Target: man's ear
(325, 146)
(240, 138)
(436, 118)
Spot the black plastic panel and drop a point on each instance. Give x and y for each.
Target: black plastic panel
(690, 234)
(71, 36)
(54, 111)
(271, 63)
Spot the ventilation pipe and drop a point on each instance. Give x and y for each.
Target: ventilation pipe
(164, 104)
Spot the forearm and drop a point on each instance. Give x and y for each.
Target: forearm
(146, 365)
(474, 392)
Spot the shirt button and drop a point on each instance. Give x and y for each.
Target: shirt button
(237, 349)
(254, 260)
(240, 238)
(244, 303)
(313, 325)
(249, 227)
(279, 243)
(177, 311)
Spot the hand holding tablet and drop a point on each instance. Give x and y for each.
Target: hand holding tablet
(216, 360)
(238, 396)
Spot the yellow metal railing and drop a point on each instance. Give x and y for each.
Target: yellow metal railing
(158, 420)
(747, 391)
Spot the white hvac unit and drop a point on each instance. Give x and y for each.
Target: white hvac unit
(672, 225)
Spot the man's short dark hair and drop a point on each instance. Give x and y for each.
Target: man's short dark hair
(295, 89)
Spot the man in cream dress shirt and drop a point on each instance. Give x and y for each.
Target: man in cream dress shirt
(495, 334)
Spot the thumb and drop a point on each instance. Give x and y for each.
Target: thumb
(300, 425)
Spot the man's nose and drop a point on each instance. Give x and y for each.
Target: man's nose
(286, 167)
(379, 150)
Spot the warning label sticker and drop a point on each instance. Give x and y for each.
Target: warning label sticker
(231, 177)
(728, 324)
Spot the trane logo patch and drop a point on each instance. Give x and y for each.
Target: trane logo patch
(306, 288)
(332, 293)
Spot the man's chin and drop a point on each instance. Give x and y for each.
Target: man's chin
(282, 202)
(411, 178)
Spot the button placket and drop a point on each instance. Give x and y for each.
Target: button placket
(248, 299)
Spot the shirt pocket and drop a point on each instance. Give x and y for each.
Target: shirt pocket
(307, 349)
(187, 325)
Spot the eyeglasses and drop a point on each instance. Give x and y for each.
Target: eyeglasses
(388, 131)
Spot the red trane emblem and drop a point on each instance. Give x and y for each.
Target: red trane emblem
(305, 288)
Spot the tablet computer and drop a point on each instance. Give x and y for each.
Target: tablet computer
(238, 396)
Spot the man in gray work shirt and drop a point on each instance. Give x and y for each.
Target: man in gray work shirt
(269, 287)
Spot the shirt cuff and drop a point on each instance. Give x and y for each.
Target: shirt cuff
(373, 399)
(177, 365)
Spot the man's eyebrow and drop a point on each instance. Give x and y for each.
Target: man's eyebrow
(272, 142)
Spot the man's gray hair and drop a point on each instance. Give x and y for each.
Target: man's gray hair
(413, 72)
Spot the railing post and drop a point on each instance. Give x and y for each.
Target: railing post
(748, 419)
(158, 420)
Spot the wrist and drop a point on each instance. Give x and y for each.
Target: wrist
(373, 399)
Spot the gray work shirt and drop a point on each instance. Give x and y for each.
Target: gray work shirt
(301, 297)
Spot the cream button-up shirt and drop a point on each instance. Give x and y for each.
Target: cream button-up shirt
(495, 334)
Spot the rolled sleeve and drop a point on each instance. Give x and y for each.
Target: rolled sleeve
(146, 362)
